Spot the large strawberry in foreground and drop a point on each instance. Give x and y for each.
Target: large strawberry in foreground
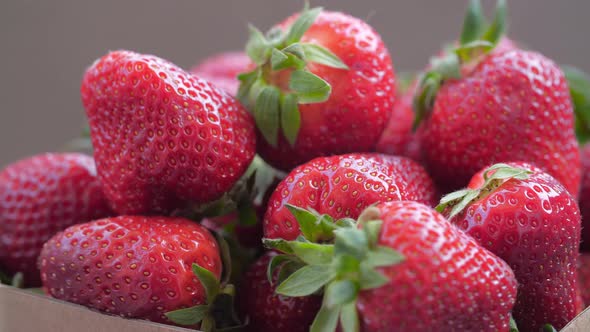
(222, 70)
(342, 187)
(527, 218)
(40, 196)
(480, 105)
(136, 267)
(324, 85)
(163, 139)
(406, 269)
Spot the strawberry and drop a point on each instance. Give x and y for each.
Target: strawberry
(40, 196)
(398, 138)
(163, 139)
(342, 187)
(584, 277)
(479, 105)
(136, 267)
(407, 268)
(324, 85)
(222, 70)
(268, 311)
(585, 197)
(527, 218)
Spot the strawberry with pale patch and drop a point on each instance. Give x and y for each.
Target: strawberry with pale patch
(222, 70)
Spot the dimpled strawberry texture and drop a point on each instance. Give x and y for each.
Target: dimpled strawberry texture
(268, 311)
(162, 138)
(343, 186)
(514, 105)
(534, 225)
(584, 277)
(356, 113)
(136, 267)
(446, 282)
(39, 197)
(223, 69)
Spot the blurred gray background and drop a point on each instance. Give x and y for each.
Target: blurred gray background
(45, 45)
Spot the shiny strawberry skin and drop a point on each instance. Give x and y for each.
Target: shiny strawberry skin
(514, 105)
(136, 267)
(343, 186)
(223, 69)
(534, 225)
(40, 196)
(268, 311)
(163, 139)
(356, 113)
(447, 282)
(584, 199)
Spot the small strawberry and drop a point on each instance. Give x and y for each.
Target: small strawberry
(222, 70)
(163, 139)
(324, 85)
(527, 218)
(479, 105)
(136, 267)
(342, 187)
(407, 268)
(584, 277)
(40, 196)
(268, 311)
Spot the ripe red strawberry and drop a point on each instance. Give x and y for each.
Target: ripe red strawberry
(527, 218)
(137, 267)
(342, 187)
(40, 196)
(163, 139)
(222, 70)
(268, 311)
(584, 277)
(398, 138)
(407, 269)
(324, 85)
(482, 106)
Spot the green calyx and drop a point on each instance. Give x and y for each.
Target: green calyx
(17, 280)
(218, 313)
(579, 85)
(477, 39)
(276, 110)
(493, 177)
(339, 269)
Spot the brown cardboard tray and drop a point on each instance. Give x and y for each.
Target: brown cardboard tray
(25, 311)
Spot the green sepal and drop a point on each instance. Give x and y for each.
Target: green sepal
(326, 320)
(351, 242)
(372, 228)
(5, 279)
(274, 264)
(425, 96)
(548, 328)
(474, 22)
(290, 118)
(498, 27)
(209, 281)
(306, 18)
(349, 318)
(226, 261)
(471, 50)
(461, 198)
(384, 256)
(306, 281)
(296, 49)
(314, 227)
(309, 87)
(246, 82)
(321, 55)
(288, 269)
(579, 85)
(188, 316)
(340, 292)
(313, 253)
(281, 60)
(370, 278)
(257, 47)
(266, 114)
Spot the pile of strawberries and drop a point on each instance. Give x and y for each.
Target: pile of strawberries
(299, 186)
